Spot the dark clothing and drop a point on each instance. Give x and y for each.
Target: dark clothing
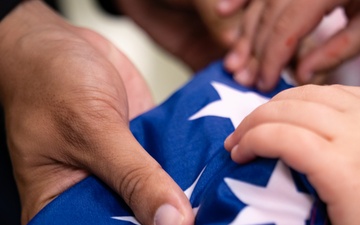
(6, 6)
(9, 198)
(10, 210)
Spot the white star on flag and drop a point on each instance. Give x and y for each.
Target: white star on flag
(279, 202)
(232, 104)
(130, 219)
(188, 192)
(265, 204)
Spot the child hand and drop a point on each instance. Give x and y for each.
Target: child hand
(315, 130)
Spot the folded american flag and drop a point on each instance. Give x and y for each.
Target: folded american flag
(185, 135)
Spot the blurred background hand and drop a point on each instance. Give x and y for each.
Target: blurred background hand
(176, 26)
(272, 37)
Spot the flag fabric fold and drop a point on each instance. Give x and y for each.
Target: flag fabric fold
(185, 135)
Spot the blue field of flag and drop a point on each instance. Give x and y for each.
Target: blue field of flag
(185, 135)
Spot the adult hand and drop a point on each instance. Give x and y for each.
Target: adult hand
(63, 93)
(221, 19)
(272, 32)
(177, 27)
(315, 130)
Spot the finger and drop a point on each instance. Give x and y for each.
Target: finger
(225, 29)
(257, 142)
(284, 111)
(238, 57)
(338, 97)
(290, 27)
(303, 151)
(351, 90)
(274, 8)
(344, 45)
(247, 76)
(228, 7)
(128, 169)
(299, 148)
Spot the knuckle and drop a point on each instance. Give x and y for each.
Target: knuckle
(311, 88)
(135, 181)
(262, 111)
(334, 88)
(281, 27)
(306, 91)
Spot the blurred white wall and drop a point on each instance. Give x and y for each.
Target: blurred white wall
(163, 73)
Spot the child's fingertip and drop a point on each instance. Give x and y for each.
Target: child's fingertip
(227, 142)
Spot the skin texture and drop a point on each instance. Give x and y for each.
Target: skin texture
(68, 95)
(224, 29)
(263, 37)
(316, 128)
(67, 106)
(273, 31)
(317, 133)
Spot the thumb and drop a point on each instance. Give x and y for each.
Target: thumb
(147, 189)
(123, 163)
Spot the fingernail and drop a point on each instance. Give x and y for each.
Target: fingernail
(224, 6)
(227, 139)
(229, 136)
(243, 77)
(234, 149)
(232, 60)
(168, 214)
